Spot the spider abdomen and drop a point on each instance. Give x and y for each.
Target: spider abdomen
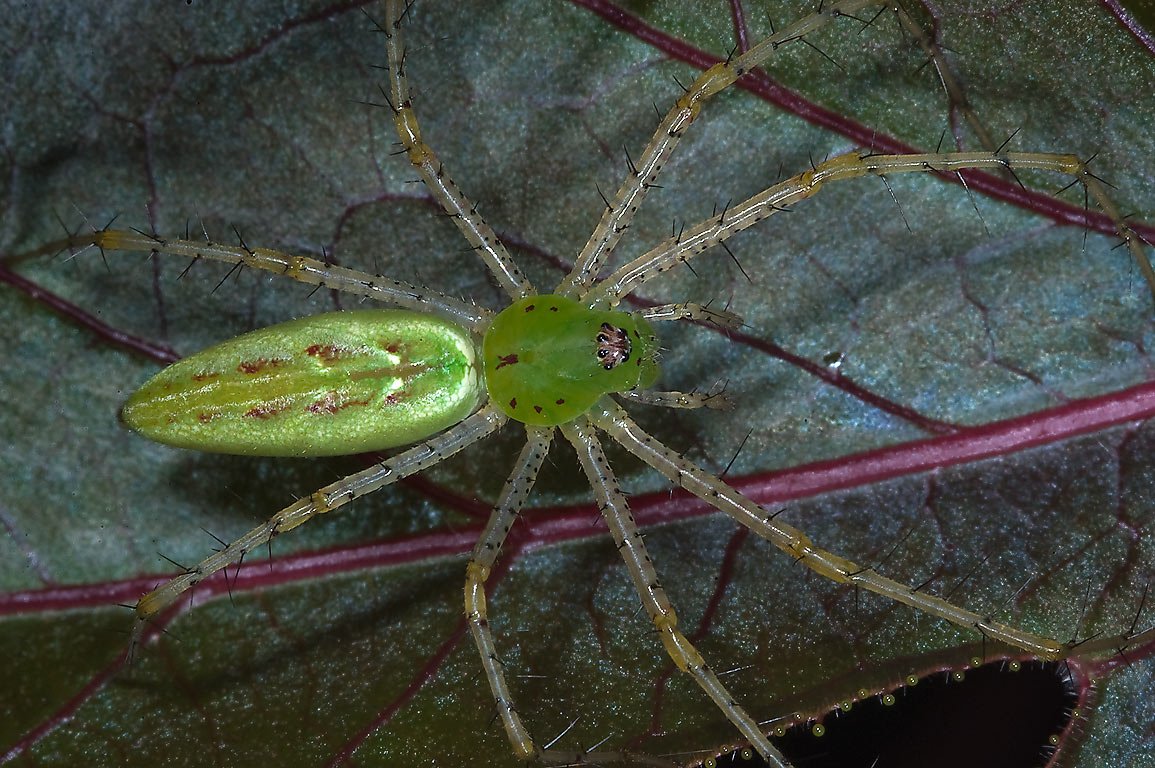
(331, 384)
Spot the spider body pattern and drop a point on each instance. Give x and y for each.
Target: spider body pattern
(549, 361)
(337, 383)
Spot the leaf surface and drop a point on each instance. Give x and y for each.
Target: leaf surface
(957, 397)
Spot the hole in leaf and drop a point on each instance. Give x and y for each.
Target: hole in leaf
(1008, 714)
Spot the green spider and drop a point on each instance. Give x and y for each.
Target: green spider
(550, 361)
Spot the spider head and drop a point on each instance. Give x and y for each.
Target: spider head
(547, 359)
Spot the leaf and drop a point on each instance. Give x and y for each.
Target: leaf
(349, 646)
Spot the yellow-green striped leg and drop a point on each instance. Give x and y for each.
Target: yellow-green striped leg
(624, 530)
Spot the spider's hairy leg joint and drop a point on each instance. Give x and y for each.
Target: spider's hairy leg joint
(684, 655)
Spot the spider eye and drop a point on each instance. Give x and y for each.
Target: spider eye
(613, 346)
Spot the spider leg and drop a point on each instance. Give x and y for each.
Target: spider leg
(617, 216)
(693, 240)
(448, 195)
(716, 398)
(952, 83)
(485, 552)
(617, 424)
(421, 456)
(300, 268)
(691, 311)
(612, 504)
(517, 488)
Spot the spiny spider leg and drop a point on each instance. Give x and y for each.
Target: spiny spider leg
(617, 216)
(481, 562)
(691, 311)
(615, 422)
(448, 195)
(299, 268)
(624, 530)
(715, 398)
(955, 93)
(429, 452)
(853, 165)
